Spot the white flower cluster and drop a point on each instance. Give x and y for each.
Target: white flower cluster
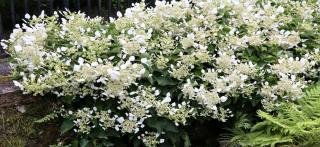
(84, 117)
(151, 139)
(178, 60)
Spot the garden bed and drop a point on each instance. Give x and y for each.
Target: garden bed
(187, 73)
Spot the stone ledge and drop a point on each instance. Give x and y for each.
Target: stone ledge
(8, 87)
(15, 99)
(4, 67)
(4, 79)
(10, 95)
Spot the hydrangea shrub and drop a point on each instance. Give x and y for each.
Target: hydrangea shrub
(151, 71)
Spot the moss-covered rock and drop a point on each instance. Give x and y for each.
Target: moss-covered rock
(19, 129)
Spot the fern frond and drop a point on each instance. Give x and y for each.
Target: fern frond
(48, 118)
(294, 123)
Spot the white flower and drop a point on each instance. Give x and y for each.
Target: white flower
(76, 68)
(167, 99)
(63, 49)
(161, 140)
(157, 92)
(88, 29)
(112, 20)
(70, 112)
(110, 58)
(27, 16)
(144, 60)
(42, 14)
(191, 36)
(16, 83)
(223, 99)
(97, 34)
(4, 46)
(101, 80)
(120, 120)
(119, 14)
(136, 130)
(18, 48)
(114, 74)
(142, 71)
(68, 62)
(94, 64)
(80, 61)
(131, 58)
(243, 77)
(143, 50)
(128, 13)
(29, 40)
(280, 9)
(33, 77)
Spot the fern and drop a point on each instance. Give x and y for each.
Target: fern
(293, 124)
(48, 117)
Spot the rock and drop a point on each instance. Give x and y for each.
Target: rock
(10, 95)
(15, 99)
(21, 109)
(7, 87)
(4, 67)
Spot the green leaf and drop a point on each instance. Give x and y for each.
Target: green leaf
(180, 95)
(75, 143)
(101, 134)
(174, 138)
(150, 79)
(115, 50)
(161, 124)
(162, 81)
(136, 142)
(250, 51)
(84, 143)
(108, 143)
(186, 139)
(112, 133)
(66, 126)
(67, 99)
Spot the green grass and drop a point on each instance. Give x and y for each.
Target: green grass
(20, 129)
(15, 128)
